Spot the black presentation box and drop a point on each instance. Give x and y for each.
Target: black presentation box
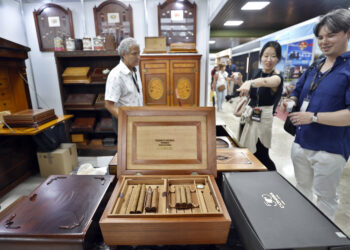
(269, 213)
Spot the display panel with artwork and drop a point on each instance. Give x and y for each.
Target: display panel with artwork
(114, 18)
(52, 21)
(177, 21)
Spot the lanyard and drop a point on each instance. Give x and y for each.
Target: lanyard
(135, 81)
(314, 85)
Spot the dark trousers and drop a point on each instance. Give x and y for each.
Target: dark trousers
(262, 153)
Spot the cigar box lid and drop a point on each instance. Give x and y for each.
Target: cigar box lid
(155, 44)
(166, 140)
(61, 207)
(76, 71)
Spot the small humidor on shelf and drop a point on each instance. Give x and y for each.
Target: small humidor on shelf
(166, 192)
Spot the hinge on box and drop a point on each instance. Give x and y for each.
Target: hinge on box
(194, 173)
(138, 174)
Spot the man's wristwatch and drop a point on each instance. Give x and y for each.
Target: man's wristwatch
(314, 117)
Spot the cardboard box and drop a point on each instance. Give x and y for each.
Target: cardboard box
(72, 147)
(269, 213)
(58, 161)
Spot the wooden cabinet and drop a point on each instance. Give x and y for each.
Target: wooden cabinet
(162, 74)
(92, 136)
(14, 92)
(17, 154)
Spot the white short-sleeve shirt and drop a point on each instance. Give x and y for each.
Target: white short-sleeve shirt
(120, 87)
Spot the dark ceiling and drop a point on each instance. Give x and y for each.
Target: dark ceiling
(278, 15)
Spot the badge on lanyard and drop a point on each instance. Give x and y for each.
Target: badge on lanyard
(305, 104)
(256, 115)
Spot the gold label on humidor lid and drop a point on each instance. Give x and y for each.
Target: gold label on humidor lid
(165, 144)
(179, 141)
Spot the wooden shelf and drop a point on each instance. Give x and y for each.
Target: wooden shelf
(85, 84)
(97, 147)
(96, 150)
(93, 132)
(86, 109)
(94, 60)
(92, 53)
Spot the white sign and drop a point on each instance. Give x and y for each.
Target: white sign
(113, 18)
(54, 21)
(177, 15)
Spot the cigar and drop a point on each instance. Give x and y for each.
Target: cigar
(213, 195)
(148, 200)
(141, 201)
(127, 200)
(183, 197)
(136, 199)
(155, 200)
(178, 197)
(188, 197)
(172, 196)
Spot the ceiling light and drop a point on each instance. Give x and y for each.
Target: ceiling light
(212, 42)
(233, 23)
(255, 5)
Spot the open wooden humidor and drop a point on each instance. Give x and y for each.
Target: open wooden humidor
(166, 192)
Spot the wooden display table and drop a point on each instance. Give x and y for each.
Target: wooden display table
(237, 159)
(18, 158)
(34, 131)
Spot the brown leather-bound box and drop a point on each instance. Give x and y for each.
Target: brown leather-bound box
(100, 74)
(96, 142)
(166, 193)
(83, 124)
(77, 137)
(30, 117)
(183, 47)
(62, 213)
(155, 45)
(76, 75)
(104, 125)
(80, 100)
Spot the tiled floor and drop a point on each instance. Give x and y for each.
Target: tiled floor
(280, 154)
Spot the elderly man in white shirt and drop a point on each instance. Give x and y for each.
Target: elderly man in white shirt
(123, 86)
